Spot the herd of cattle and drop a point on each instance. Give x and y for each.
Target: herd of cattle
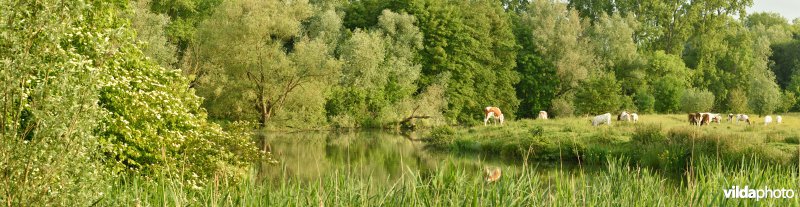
(698, 118)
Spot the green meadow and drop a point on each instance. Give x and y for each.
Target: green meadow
(659, 161)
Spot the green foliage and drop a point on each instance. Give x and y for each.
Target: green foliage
(257, 78)
(379, 77)
(557, 35)
(645, 102)
(442, 135)
(151, 33)
(694, 100)
(764, 95)
(562, 107)
(538, 81)
(648, 134)
(668, 91)
(49, 82)
(598, 95)
(83, 103)
(473, 42)
(788, 100)
(737, 101)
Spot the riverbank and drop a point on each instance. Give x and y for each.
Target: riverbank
(618, 184)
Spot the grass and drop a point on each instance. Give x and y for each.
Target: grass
(664, 142)
(618, 184)
(660, 161)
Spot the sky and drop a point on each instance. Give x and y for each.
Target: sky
(790, 9)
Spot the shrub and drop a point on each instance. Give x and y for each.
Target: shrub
(537, 131)
(764, 95)
(644, 101)
(442, 135)
(648, 133)
(694, 100)
(563, 107)
(792, 140)
(598, 95)
(668, 91)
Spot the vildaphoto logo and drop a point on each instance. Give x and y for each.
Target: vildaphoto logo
(757, 193)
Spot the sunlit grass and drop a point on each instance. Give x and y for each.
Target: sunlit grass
(617, 184)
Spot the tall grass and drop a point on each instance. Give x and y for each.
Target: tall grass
(618, 184)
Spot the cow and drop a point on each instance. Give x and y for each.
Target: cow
(492, 175)
(767, 120)
(602, 119)
(716, 118)
(730, 117)
(494, 113)
(705, 118)
(742, 117)
(778, 119)
(634, 117)
(542, 115)
(624, 116)
(693, 119)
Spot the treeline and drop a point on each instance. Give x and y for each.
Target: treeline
(370, 63)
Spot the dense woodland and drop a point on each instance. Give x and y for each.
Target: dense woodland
(371, 63)
(93, 88)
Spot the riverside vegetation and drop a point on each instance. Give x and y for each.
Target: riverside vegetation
(155, 102)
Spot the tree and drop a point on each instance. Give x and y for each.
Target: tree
(598, 95)
(764, 95)
(150, 32)
(554, 58)
(695, 100)
(668, 91)
(271, 58)
(185, 18)
(645, 101)
(473, 42)
(612, 42)
(83, 103)
(379, 75)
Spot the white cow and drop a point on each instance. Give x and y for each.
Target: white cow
(624, 116)
(778, 119)
(742, 117)
(767, 120)
(602, 119)
(542, 115)
(634, 117)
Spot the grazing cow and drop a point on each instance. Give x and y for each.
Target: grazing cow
(624, 116)
(693, 119)
(778, 119)
(716, 118)
(542, 115)
(705, 119)
(767, 120)
(602, 119)
(742, 117)
(492, 175)
(494, 113)
(634, 117)
(730, 117)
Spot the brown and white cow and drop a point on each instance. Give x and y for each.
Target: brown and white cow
(695, 118)
(494, 113)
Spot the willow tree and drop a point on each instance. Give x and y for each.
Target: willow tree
(258, 55)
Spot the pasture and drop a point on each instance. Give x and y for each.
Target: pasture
(664, 142)
(659, 161)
